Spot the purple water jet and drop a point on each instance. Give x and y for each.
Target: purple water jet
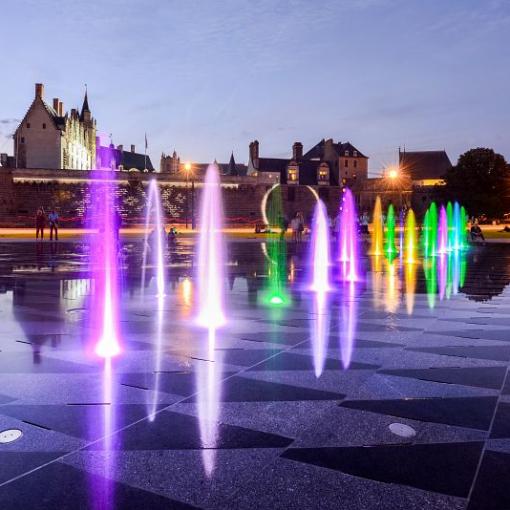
(348, 238)
(320, 250)
(211, 253)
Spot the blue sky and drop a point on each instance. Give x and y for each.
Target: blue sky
(208, 76)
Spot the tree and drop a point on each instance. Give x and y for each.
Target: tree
(480, 182)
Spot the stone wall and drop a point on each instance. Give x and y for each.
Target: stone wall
(24, 191)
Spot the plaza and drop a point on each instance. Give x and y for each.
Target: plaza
(399, 400)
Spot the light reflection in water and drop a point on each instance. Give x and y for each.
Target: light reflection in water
(209, 394)
(102, 492)
(392, 286)
(320, 331)
(348, 323)
(377, 281)
(410, 277)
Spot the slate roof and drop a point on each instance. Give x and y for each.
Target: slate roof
(135, 160)
(317, 151)
(425, 164)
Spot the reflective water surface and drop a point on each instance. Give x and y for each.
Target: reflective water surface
(185, 413)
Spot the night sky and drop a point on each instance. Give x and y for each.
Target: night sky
(207, 77)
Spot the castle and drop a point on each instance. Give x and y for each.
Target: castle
(49, 138)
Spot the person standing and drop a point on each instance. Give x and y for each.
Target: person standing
(53, 221)
(294, 226)
(301, 226)
(40, 222)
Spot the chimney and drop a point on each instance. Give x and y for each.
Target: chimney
(132, 148)
(55, 104)
(60, 108)
(297, 151)
(39, 90)
(120, 147)
(254, 152)
(74, 112)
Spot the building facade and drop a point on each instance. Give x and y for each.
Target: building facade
(49, 138)
(326, 164)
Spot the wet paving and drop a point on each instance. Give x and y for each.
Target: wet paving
(286, 407)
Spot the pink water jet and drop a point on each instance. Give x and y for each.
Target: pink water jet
(320, 250)
(348, 238)
(442, 232)
(104, 256)
(211, 253)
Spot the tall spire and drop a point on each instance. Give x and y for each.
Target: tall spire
(232, 168)
(85, 107)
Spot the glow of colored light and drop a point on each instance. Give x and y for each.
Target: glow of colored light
(186, 287)
(429, 269)
(451, 226)
(463, 228)
(457, 227)
(442, 232)
(319, 250)
(392, 291)
(105, 254)
(392, 173)
(208, 377)
(348, 238)
(430, 231)
(211, 253)
(390, 249)
(410, 241)
(275, 250)
(320, 332)
(348, 323)
(377, 229)
(410, 278)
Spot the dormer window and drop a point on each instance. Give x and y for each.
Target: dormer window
(293, 175)
(323, 174)
(355, 154)
(346, 153)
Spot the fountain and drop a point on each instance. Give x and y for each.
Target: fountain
(442, 232)
(451, 226)
(377, 229)
(410, 243)
(320, 285)
(429, 269)
(348, 238)
(275, 252)
(430, 231)
(457, 227)
(211, 287)
(211, 253)
(319, 250)
(154, 244)
(390, 249)
(463, 228)
(104, 254)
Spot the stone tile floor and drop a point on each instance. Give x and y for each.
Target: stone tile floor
(285, 408)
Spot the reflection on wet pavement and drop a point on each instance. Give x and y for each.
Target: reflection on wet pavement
(247, 415)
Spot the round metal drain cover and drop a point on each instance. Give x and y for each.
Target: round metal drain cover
(402, 430)
(10, 435)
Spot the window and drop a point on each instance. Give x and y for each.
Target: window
(22, 139)
(355, 163)
(346, 153)
(291, 194)
(293, 175)
(44, 125)
(28, 125)
(355, 154)
(323, 174)
(346, 164)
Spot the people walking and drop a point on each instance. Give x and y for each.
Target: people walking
(40, 222)
(53, 221)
